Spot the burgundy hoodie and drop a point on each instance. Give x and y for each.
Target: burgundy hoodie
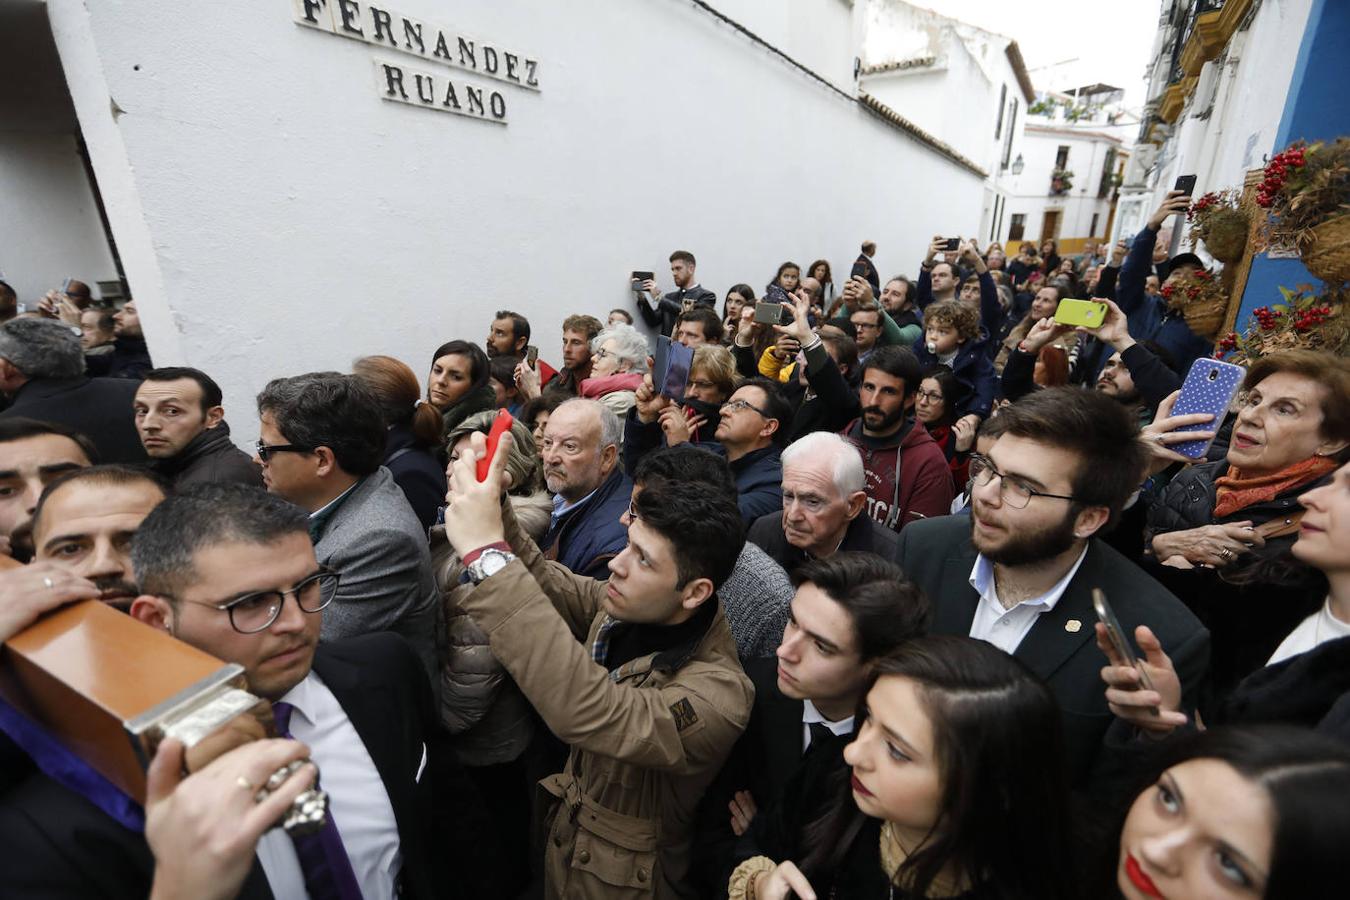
(907, 476)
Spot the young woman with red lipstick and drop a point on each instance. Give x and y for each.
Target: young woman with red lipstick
(1241, 814)
(954, 789)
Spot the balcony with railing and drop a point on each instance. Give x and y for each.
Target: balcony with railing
(1201, 34)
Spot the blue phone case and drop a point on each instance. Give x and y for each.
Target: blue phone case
(1209, 388)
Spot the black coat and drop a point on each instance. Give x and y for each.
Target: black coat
(130, 358)
(210, 457)
(764, 761)
(54, 844)
(417, 472)
(1311, 690)
(1253, 604)
(99, 408)
(938, 556)
(670, 306)
(863, 534)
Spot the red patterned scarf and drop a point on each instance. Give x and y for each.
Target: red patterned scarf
(1237, 490)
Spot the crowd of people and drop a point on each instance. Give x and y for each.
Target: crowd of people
(828, 619)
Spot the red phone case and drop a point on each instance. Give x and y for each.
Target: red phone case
(501, 424)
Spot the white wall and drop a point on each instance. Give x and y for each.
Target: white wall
(49, 224)
(275, 216)
(816, 33)
(49, 227)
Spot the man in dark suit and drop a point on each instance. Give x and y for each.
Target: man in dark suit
(42, 369)
(823, 498)
(661, 311)
(322, 438)
(231, 571)
(848, 610)
(1020, 571)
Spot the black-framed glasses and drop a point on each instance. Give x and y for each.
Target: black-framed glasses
(265, 451)
(1014, 491)
(256, 611)
(732, 406)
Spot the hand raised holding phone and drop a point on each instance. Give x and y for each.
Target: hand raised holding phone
(1155, 709)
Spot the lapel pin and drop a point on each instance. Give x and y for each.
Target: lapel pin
(1073, 626)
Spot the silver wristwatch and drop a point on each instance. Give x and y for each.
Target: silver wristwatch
(489, 563)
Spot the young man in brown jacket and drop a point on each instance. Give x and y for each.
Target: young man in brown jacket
(638, 674)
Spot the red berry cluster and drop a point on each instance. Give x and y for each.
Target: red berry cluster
(1205, 202)
(1266, 318)
(1167, 291)
(1227, 343)
(1310, 317)
(1277, 173)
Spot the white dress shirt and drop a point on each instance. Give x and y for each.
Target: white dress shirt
(1317, 629)
(1005, 628)
(356, 798)
(811, 716)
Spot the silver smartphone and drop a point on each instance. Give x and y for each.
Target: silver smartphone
(1116, 635)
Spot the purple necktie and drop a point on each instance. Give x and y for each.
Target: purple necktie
(323, 860)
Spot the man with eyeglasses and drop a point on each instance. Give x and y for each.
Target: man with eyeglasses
(751, 428)
(1020, 571)
(823, 501)
(321, 445)
(230, 570)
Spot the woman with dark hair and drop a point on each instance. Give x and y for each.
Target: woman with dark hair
(820, 271)
(788, 276)
(935, 406)
(535, 415)
(955, 789)
(502, 377)
(1240, 813)
(458, 383)
(1049, 256)
(738, 298)
(414, 433)
(1220, 534)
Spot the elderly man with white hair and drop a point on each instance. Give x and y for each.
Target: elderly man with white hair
(590, 491)
(618, 361)
(823, 498)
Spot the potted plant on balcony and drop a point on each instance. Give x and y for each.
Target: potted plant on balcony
(1307, 191)
(1217, 219)
(1304, 321)
(1061, 181)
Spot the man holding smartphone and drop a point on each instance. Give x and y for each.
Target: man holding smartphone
(1150, 317)
(661, 310)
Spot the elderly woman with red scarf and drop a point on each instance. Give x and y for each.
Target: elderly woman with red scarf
(1221, 531)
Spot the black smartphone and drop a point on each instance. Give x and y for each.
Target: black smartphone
(640, 277)
(951, 245)
(859, 270)
(1185, 184)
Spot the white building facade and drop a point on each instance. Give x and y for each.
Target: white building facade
(286, 194)
(1067, 186)
(957, 80)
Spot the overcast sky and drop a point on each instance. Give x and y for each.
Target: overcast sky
(1109, 41)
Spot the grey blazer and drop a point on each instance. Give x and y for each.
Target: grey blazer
(375, 542)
